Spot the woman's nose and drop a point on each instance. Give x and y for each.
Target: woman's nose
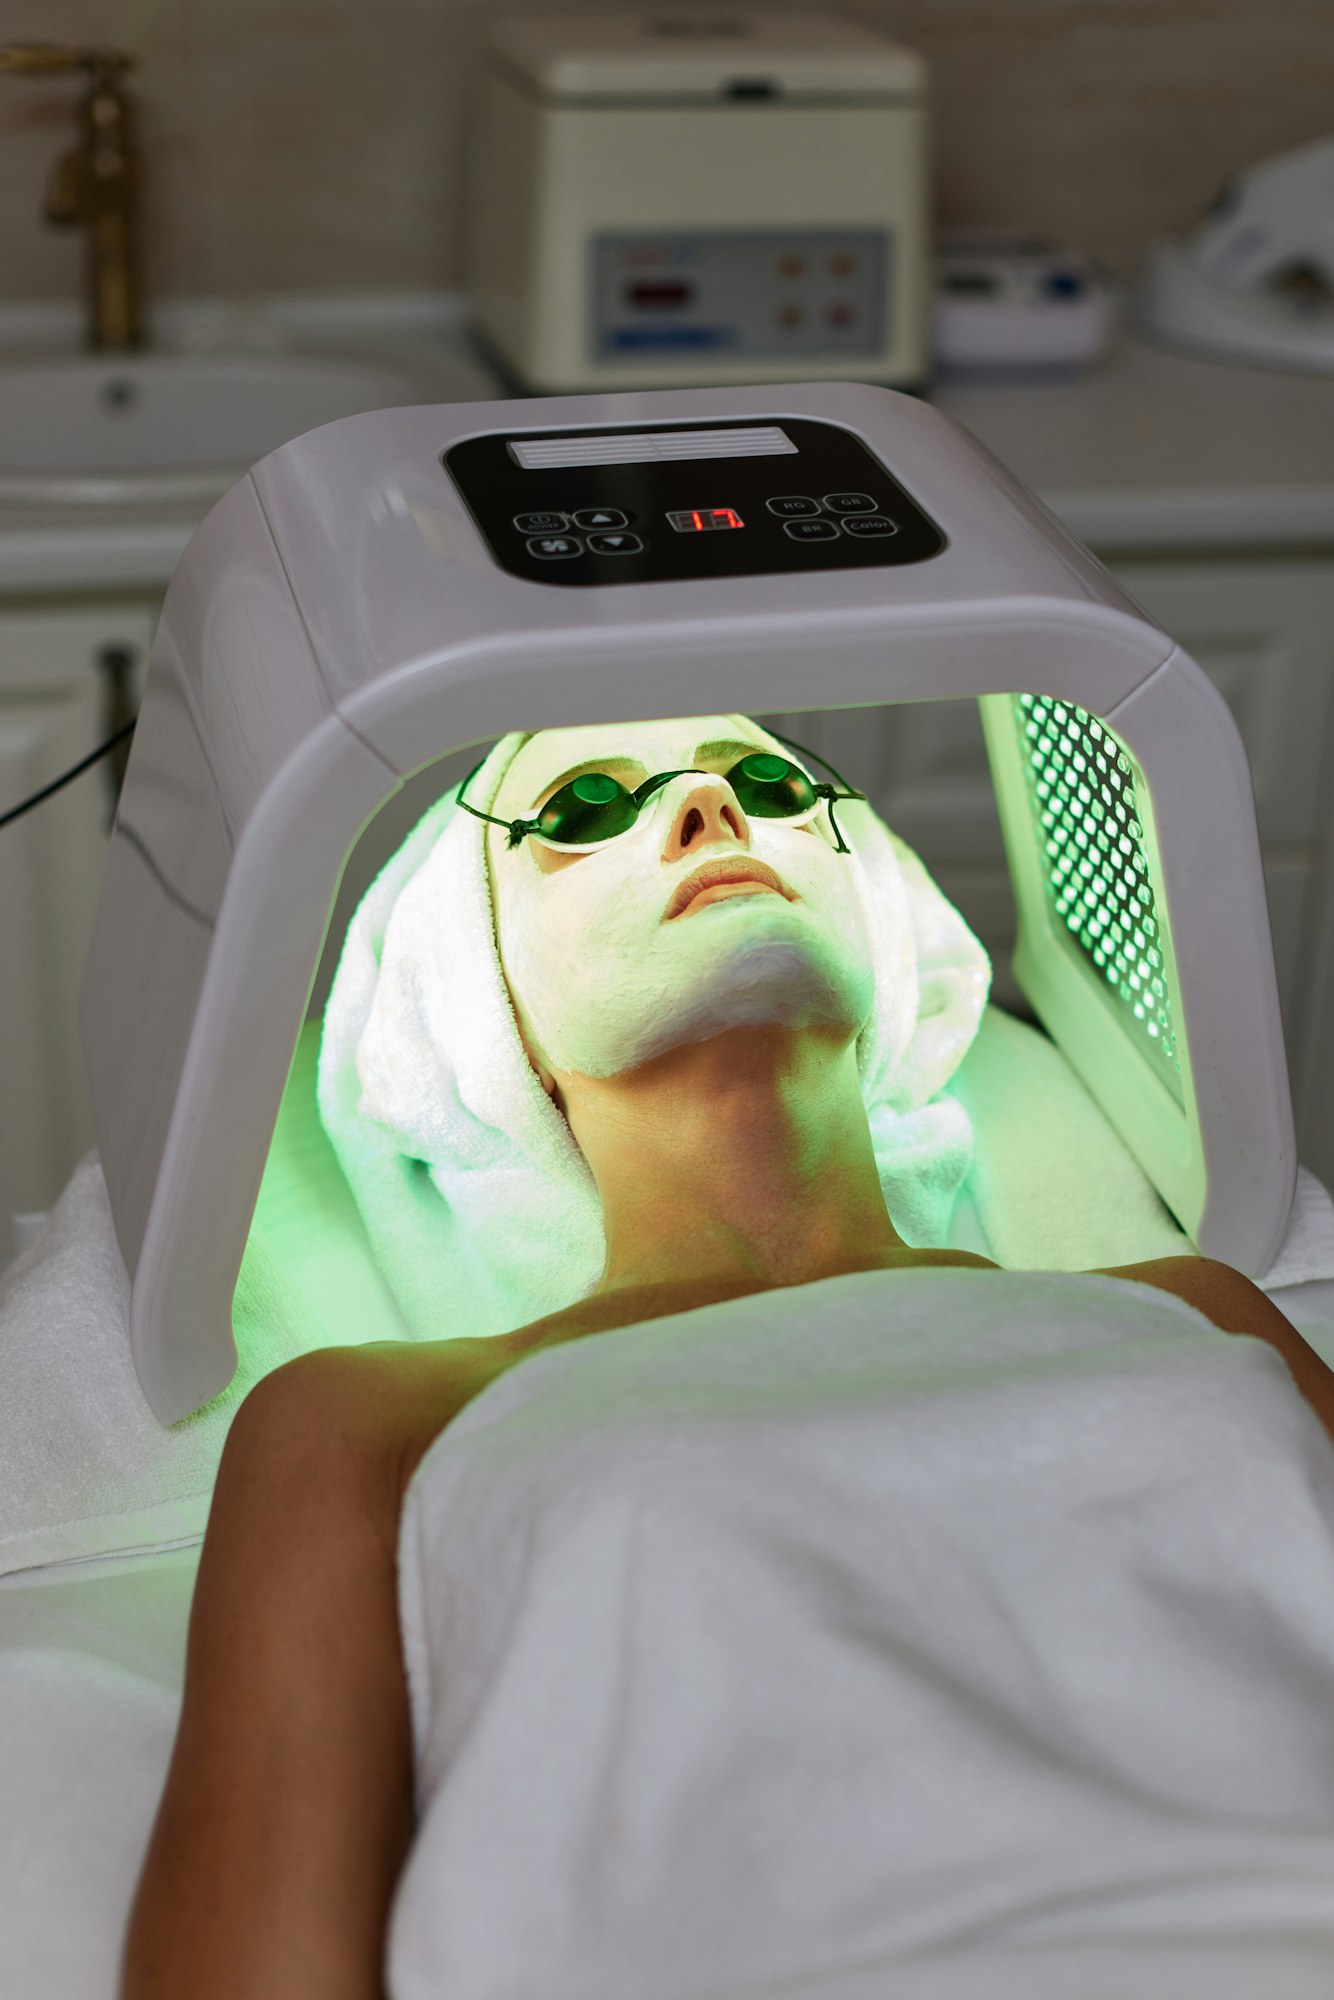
(705, 812)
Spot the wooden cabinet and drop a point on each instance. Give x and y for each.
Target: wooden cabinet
(66, 673)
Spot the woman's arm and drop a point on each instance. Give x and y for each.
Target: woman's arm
(1236, 1305)
(287, 1812)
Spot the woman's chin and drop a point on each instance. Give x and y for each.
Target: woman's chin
(763, 981)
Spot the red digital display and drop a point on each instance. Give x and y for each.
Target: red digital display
(694, 519)
(659, 293)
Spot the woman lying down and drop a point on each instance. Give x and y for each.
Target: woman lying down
(869, 1620)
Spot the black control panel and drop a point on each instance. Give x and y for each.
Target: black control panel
(657, 503)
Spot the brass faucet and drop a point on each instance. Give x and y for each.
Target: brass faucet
(96, 184)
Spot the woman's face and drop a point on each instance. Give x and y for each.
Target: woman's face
(616, 956)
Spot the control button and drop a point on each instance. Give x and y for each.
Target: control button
(870, 524)
(849, 503)
(555, 545)
(601, 517)
(790, 265)
(842, 263)
(791, 504)
(811, 531)
(790, 315)
(540, 524)
(841, 313)
(614, 545)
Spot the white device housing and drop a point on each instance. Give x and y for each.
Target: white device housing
(339, 622)
(1255, 280)
(741, 157)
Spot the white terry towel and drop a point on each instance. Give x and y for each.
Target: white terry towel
(1056, 1188)
(943, 1635)
(481, 1210)
(86, 1469)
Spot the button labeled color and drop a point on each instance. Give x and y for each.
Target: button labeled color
(540, 524)
(870, 524)
(554, 545)
(811, 531)
(791, 504)
(849, 503)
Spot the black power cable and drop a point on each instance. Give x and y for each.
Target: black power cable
(78, 769)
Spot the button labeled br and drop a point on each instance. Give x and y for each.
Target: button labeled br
(870, 524)
(554, 545)
(540, 524)
(613, 545)
(848, 503)
(811, 531)
(601, 517)
(790, 504)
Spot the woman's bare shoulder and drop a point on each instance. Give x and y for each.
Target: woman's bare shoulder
(1217, 1290)
(370, 1411)
(377, 1408)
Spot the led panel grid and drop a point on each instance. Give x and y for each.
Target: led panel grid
(1081, 787)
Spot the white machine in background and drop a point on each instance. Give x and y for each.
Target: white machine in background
(1008, 303)
(394, 587)
(659, 199)
(1255, 282)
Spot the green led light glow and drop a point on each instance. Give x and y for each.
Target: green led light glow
(1081, 786)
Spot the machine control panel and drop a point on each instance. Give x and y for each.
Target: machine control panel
(666, 502)
(735, 292)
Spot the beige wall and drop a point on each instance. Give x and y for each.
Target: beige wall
(317, 144)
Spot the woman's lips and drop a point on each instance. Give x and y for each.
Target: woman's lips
(718, 879)
(720, 891)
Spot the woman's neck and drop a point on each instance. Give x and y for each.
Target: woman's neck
(745, 1160)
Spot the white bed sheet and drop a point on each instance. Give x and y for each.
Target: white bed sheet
(92, 1663)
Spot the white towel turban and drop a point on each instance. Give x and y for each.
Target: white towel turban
(481, 1210)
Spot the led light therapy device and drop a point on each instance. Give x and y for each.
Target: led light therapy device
(402, 585)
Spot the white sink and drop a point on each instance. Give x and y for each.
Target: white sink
(170, 427)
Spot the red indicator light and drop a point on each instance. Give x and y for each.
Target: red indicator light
(694, 519)
(665, 293)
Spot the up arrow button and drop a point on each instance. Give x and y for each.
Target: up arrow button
(601, 517)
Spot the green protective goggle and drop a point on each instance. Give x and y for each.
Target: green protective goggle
(595, 807)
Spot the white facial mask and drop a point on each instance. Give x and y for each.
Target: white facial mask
(602, 982)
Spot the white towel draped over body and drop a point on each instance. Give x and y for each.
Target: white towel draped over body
(930, 1634)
